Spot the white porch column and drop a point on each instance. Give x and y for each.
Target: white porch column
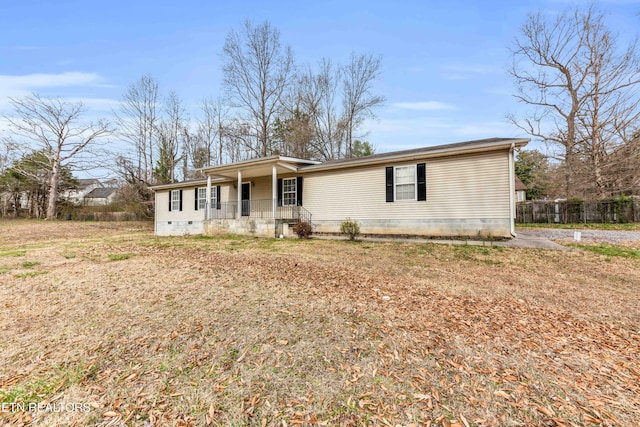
(274, 189)
(239, 214)
(207, 212)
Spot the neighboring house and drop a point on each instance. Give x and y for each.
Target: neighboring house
(463, 189)
(85, 186)
(521, 191)
(100, 196)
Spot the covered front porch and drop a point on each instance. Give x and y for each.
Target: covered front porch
(257, 197)
(256, 218)
(257, 209)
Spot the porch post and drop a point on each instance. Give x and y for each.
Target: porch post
(239, 213)
(274, 189)
(207, 212)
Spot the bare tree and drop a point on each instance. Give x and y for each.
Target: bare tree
(358, 101)
(318, 97)
(611, 110)
(211, 132)
(137, 120)
(6, 154)
(171, 132)
(54, 127)
(176, 118)
(624, 167)
(168, 153)
(239, 136)
(583, 91)
(134, 194)
(256, 72)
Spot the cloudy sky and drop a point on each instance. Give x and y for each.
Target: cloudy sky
(443, 61)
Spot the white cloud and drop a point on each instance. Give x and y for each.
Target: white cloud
(17, 86)
(42, 80)
(424, 106)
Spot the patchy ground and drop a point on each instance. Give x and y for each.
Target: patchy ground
(117, 327)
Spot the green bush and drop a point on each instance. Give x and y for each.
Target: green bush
(350, 228)
(303, 229)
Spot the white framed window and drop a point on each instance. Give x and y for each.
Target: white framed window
(202, 198)
(175, 200)
(405, 182)
(289, 191)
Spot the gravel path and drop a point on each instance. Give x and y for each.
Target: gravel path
(604, 236)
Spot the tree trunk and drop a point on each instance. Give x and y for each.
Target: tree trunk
(53, 191)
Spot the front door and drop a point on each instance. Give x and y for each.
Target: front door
(246, 199)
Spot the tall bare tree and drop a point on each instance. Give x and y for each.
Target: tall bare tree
(211, 131)
(583, 90)
(257, 70)
(611, 111)
(171, 134)
(318, 94)
(177, 119)
(56, 128)
(137, 120)
(358, 100)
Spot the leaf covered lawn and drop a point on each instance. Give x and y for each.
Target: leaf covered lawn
(196, 331)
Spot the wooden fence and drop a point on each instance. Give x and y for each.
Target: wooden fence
(564, 212)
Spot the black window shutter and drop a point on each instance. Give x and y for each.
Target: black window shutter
(279, 191)
(218, 197)
(196, 204)
(299, 191)
(170, 193)
(180, 200)
(422, 181)
(390, 184)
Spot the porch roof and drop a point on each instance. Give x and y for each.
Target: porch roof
(258, 167)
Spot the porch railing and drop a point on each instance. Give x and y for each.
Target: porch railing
(262, 208)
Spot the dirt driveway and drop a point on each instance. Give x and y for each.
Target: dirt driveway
(592, 236)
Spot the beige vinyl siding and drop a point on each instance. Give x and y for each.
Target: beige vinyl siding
(188, 212)
(458, 187)
(227, 193)
(262, 188)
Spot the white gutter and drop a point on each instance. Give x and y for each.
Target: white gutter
(512, 192)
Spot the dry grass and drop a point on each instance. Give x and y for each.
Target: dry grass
(241, 331)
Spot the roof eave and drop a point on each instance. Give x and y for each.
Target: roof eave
(427, 153)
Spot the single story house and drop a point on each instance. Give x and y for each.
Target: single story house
(461, 189)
